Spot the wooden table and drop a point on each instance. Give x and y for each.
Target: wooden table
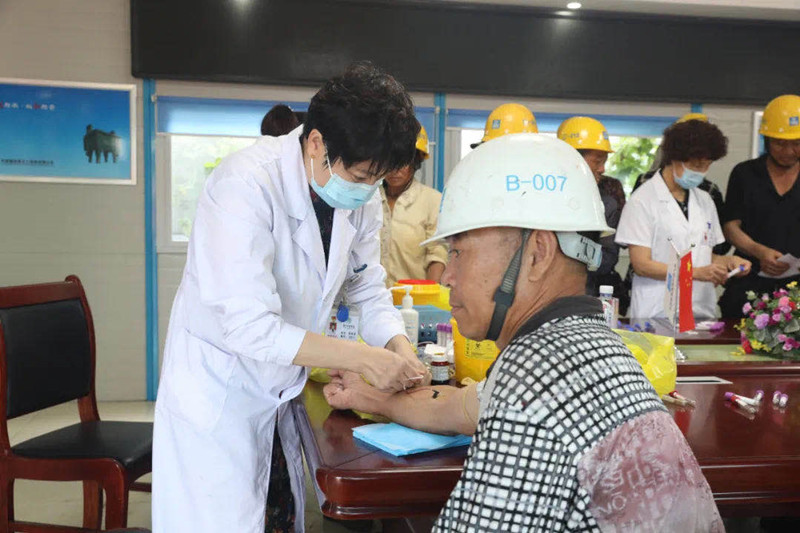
(727, 335)
(751, 463)
(729, 361)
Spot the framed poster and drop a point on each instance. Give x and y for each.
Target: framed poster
(67, 132)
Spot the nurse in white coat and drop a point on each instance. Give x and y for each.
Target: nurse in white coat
(256, 293)
(670, 213)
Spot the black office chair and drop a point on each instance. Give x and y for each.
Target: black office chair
(47, 357)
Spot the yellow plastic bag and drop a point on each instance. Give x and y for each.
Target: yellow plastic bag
(656, 354)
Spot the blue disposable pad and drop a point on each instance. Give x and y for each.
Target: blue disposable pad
(399, 440)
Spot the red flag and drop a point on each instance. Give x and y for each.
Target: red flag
(685, 313)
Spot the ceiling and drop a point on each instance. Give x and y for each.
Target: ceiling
(784, 10)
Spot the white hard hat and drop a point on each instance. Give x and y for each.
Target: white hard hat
(523, 180)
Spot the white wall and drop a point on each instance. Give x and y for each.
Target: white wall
(736, 122)
(94, 231)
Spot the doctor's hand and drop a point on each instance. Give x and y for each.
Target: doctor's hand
(715, 273)
(769, 261)
(400, 344)
(389, 371)
(738, 265)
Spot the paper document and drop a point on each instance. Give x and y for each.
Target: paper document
(793, 270)
(399, 440)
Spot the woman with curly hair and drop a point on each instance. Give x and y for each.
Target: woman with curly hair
(670, 213)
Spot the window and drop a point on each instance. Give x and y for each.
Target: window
(192, 158)
(195, 134)
(635, 145)
(632, 156)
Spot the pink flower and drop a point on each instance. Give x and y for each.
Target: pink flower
(787, 317)
(760, 304)
(785, 309)
(787, 347)
(784, 301)
(762, 320)
(764, 298)
(776, 318)
(747, 308)
(782, 337)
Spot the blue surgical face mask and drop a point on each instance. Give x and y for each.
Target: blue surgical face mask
(340, 193)
(690, 179)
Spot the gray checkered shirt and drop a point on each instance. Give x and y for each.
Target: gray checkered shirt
(563, 384)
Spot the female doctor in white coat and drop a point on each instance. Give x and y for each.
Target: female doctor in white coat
(256, 293)
(670, 213)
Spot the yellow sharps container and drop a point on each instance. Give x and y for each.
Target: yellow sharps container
(472, 358)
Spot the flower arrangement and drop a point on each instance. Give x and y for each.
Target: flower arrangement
(772, 325)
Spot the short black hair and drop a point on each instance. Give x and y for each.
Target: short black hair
(365, 115)
(280, 120)
(693, 139)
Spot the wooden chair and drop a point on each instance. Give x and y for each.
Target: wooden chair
(47, 357)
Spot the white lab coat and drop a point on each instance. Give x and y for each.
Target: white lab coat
(255, 281)
(651, 218)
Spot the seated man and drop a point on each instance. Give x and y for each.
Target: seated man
(568, 433)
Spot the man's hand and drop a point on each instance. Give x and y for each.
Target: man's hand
(769, 261)
(348, 390)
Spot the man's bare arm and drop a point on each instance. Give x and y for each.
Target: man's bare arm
(440, 409)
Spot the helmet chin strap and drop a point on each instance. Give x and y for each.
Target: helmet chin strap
(504, 296)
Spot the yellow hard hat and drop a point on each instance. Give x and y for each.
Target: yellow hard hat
(584, 133)
(781, 118)
(693, 116)
(422, 142)
(509, 118)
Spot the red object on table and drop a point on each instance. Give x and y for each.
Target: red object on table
(685, 313)
(752, 465)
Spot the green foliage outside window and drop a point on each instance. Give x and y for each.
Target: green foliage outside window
(193, 158)
(632, 156)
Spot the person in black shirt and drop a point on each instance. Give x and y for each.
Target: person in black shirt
(762, 206)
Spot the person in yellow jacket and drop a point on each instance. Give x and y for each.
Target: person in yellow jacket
(410, 212)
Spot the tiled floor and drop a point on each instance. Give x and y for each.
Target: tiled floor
(62, 502)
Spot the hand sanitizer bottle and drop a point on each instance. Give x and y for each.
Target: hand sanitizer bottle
(410, 315)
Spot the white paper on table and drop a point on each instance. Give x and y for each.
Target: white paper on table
(793, 270)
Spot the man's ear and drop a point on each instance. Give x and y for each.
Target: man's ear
(540, 253)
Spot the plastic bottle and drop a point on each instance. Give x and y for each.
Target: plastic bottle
(410, 315)
(610, 305)
(440, 335)
(440, 370)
